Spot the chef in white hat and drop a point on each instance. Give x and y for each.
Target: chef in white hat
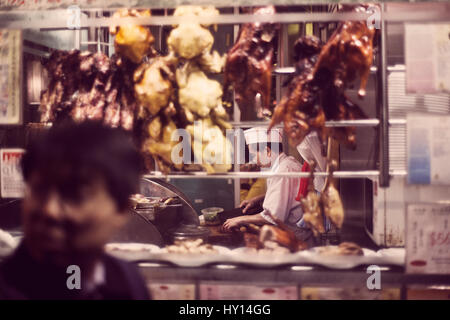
(279, 200)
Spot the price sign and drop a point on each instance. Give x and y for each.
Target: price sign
(219, 291)
(172, 291)
(11, 175)
(427, 57)
(428, 238)
(428, 149)
(10, 76)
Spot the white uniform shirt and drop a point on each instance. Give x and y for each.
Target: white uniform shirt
(282, 191)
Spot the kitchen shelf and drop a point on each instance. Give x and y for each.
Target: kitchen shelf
(373, 69)
(302, 275)
(247, 124)
(250, 175)
(60, 17)
(332, 123)
(291, 70)
(162, 4)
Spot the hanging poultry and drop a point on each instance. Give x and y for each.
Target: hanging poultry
(348, 53)
(331, 200)
(211, 146)
(250, 62)
(191, 81)
(132, 41)
(88, 86)
(176, 93)
(159, 143)
(192, 40)
(153, 84)
(299, 109)
(338, 107)
(316, 93)
(312, 212)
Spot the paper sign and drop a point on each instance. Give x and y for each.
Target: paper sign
(348, 293)
(428, 146)
(12, 185)
(51, 4)
(166, 291)
(10, 76)
(427, 58)
(428, 293)
(428, 238)
(210, 291)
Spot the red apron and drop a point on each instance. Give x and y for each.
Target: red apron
(303, 189)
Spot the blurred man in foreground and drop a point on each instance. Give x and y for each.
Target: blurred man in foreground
(78, 182)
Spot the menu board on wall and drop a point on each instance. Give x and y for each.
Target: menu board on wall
(428, 238)
(428, 149)
(10, 76)
(12, 185)
(427, 58)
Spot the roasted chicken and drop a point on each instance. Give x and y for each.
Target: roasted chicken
(175, 93)
(331, 200)
(192, 40)
(317, 91)
(272, 236)
(284, 237)
(211, 146)
(338, 107)
(300, 109)
(343, 249)
(250, 62)
(132, 41)
(197, 93)
(312, 211)
(153, 84)
(348, 53)
(159, 144)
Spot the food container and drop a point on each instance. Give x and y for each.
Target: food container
(148, 207)
(189, 232)
(211, 215)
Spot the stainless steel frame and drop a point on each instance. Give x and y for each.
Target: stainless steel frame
(39, 19)
(382, 103)
(35, 19)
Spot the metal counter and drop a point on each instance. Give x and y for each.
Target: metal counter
(300, 275)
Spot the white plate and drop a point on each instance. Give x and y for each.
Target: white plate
(4, 252)
(8, 243)
(265, 258)
(194, 259)
(132, 251)
(335, 261)
(394, 256)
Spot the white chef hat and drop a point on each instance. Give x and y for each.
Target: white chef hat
(261, 135)
(310, 150)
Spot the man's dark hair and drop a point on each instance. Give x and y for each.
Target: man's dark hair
(72, 156)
